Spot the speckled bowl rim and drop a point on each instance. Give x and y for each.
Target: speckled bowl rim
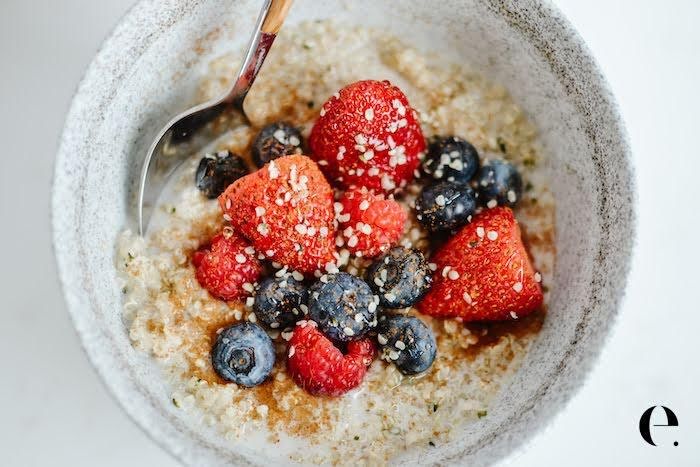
(548, 16)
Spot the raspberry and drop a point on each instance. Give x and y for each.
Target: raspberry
(225, 265)
(484, 273)
(370, 224)
(320, 368)
(368, 135)
(286, 210)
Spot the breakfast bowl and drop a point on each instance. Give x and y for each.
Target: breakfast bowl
(164, 57)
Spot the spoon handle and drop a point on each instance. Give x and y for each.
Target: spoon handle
(269, 23)
(276, 15)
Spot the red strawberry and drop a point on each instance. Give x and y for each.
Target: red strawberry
(371, 224)
(484, 273)
(226, 264)
(368, 135)
(286, 210)
(320, 368)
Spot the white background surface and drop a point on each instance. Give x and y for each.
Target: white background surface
(54, 410)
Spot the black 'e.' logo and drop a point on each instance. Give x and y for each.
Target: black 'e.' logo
(645, 423)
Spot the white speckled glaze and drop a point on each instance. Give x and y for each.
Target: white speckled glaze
(147, 71)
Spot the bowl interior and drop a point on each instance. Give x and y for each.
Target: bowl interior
(148, 70)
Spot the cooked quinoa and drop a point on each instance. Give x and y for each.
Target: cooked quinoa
(171, 317)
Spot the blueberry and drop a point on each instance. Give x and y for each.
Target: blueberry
(280, 301)
(217, 171)
(243, 353)
(276, 140)
(445, 206)
(343, 306)
(499, 183)
(400, 277)
(451, 158)
(407, 342)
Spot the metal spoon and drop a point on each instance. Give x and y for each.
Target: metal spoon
(193, 128)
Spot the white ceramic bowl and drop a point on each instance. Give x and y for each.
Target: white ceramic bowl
(147, 71)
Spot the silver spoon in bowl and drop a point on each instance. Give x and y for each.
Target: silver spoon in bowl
(192, 129)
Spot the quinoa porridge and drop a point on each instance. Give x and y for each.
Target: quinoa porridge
(170, 316)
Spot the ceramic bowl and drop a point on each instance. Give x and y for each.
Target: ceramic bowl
(147, 71)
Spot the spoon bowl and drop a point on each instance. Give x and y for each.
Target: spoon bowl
(193, 128)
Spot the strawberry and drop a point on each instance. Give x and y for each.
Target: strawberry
(484, 273)
(320, 368)
(371, 224)
(224, 266)
(368, 135)
(286, 210)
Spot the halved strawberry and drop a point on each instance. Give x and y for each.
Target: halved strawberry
(484, 273)
(286, 210)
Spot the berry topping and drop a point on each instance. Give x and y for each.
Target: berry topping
(445, 206)
(484, 273)
(368, 135)
(280, 301)
(400, 277)
(320, 368)
(343, 306)
(286, 210)
(499, 184)
(225, 266)
(243, 353)
(217, 171)
(370, 224)
(451, 158)
(276, 140)
(407, 342)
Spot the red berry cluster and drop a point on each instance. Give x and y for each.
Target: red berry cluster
(368, 142)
